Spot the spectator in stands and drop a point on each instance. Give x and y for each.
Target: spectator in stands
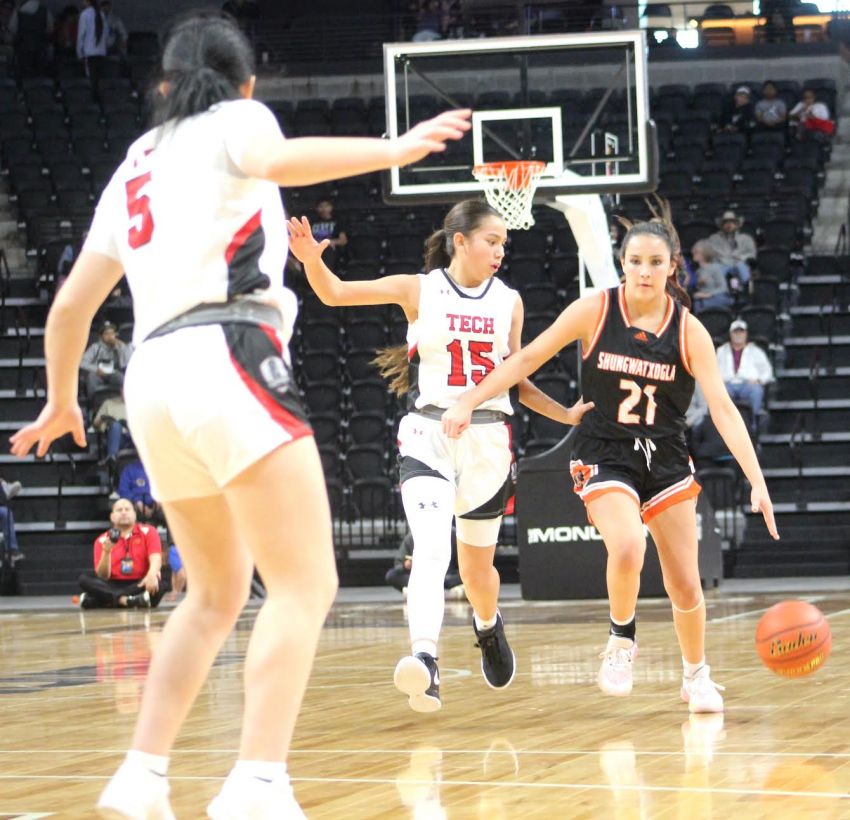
(812, 118)
(8, 536)
(771, 112)
(92, 36)
(742, 118)
(243, 11)
(7, 7)
(105, 362)
(116, 31)
(134, 485)
(712, 289)
(31, 27)
(735, 249)
(327, 226)
(65, 32)
(127, 564)
(429, 22)
(178, 571)
(704, 441)
(399, 575)
(745, 369)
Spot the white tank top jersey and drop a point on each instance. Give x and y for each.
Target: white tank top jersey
(459, 336)
(187, 225)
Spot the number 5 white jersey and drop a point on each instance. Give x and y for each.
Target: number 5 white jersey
(460, 335)
(187, 225)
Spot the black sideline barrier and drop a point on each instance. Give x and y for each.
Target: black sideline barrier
(562, 557)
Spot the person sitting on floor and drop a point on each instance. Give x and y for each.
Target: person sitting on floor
(127, 564)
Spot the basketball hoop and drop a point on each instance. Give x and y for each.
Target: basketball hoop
(509, 188)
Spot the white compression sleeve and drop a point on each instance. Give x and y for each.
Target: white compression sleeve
(429, 506)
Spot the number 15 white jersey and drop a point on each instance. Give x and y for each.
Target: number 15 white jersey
(460, 335)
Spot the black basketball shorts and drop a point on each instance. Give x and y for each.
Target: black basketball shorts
(657, 473)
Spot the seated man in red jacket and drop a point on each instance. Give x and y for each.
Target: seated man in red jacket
(127, 564)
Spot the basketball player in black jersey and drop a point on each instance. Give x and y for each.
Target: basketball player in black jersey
(642, 351)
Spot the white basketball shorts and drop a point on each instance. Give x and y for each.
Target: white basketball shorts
(205, 403)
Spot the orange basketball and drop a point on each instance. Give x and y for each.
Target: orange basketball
(793, 639)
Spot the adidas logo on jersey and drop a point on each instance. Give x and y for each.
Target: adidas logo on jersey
(641, 336)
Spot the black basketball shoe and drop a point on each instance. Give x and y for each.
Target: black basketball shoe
(419, 678)
(498, 664)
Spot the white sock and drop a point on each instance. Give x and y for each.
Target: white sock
(481, 624)
(429, 507)
(692, 668)
(270, 770)
(424, 646)
(154, 763)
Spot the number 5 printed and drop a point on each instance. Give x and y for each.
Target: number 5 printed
(139, 210)
(624, 412)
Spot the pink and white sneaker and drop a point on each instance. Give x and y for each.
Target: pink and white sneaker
(701, 693)
(615, 674)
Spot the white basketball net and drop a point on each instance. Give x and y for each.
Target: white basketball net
(509, 188)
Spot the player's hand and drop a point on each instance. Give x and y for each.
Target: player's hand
(302, 243)
(456, 419)
(430, 136)
(52, 423)
(760, 502)
(575, 413)
(151, 583)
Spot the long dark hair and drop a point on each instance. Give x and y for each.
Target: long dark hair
(661, 225)
(465, 217)
(205, 61)
(98, 20)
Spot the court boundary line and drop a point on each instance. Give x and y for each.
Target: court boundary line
(502, 784)
(529, 752)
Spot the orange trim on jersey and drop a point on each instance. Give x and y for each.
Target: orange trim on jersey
(668, 317)
(624, 311)
(600, 323)
(683, 340)
(670, 498)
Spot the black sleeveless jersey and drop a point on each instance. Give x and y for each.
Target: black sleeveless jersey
(640, 382)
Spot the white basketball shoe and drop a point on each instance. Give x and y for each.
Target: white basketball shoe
(701, 693)
(615, 674)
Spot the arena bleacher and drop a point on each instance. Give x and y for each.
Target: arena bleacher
(60, 139)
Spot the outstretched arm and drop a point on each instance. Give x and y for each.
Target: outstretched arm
(532, 396)
(92, 279)
(576, 322)
(727, 419)
(401, 289)
(308, 160)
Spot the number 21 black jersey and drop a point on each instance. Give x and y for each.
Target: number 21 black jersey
(640, 382)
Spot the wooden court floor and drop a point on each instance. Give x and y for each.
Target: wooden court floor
(550, 746)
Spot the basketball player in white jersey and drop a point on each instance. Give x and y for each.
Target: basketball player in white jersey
(194, 217)
(463, 322)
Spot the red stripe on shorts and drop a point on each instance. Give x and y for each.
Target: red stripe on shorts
(242, 236)
(295, 427)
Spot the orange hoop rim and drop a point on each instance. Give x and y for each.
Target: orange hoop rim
(495, 169)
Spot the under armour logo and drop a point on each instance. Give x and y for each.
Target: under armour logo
(641, 336)
(426, 504)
